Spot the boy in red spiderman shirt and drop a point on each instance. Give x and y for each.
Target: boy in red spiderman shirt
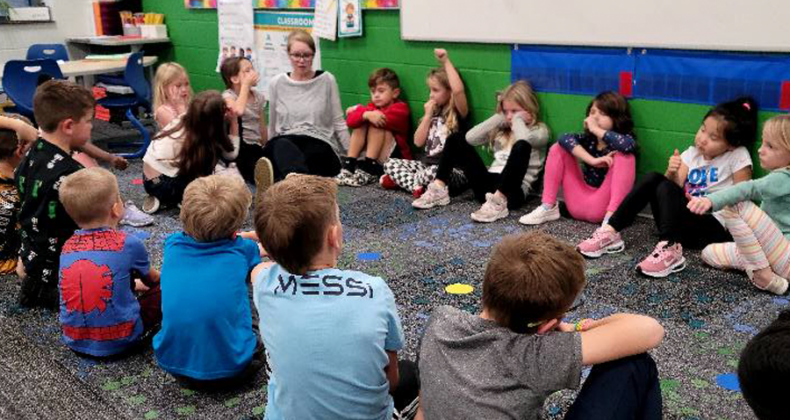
(379, 128)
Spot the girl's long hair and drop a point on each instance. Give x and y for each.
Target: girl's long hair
(448, 111)
(166, 75)
(522, 94)
(205, 136)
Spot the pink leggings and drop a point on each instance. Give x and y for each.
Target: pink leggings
(585, 202)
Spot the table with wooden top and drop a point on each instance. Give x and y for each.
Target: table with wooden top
(84, 69)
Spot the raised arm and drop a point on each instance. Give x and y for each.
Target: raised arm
(25, 131)
(456, 84)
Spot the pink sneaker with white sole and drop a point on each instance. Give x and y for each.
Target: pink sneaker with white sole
(663, 261)
(603, 241)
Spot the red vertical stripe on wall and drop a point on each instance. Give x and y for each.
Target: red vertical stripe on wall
(627, 83)
(784, 100)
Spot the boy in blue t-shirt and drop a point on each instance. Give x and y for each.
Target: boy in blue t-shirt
(100, 315)
(209, 331)
(332, 335)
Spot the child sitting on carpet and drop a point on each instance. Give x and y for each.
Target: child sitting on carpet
(377, 128)
(764, 367)
(446, 112)
(209, 336)
(505, 362)
(16, 136)
(171, 93)
(332, 335)
(64, 112)
(101, 268)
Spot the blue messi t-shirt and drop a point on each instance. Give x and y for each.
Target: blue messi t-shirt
(99, 313)
(326, 334)
(206, 321)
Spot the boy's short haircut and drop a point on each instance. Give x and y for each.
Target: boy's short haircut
(531, 278)
(58, 100)
(88, 194)
(9, 142)
(384, 75)
(229, 69)
(293, 217)
(215, 207)
(764, 368)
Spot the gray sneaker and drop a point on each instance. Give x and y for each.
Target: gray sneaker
(264, 177)
(360, 178)
(493, 209)
(150, 204)
(434, 196)
(132, 216)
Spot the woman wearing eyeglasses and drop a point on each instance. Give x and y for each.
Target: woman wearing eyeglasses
(307, 130)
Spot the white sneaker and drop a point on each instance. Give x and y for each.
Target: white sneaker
(344, 177)
(493, 209)
(434, 196)
(132, 216)
(540, 215)
(150, 204)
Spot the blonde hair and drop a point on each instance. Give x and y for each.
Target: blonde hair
(778, 128)
(293, 218)
(522, 94)
(449, 112)
(167, 74)
(89, 194)
(300, 35)
(215, 207)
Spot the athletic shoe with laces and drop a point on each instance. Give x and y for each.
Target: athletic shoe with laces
(433, 196)
(387, 182)
(150, 204)
(663, 261)
(132, 216)
(540, 215)
(343, 177)
(603, 241)
(360, 178)
(493, 209)
(264, 177)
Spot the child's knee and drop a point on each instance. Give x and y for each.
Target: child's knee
(708, 256)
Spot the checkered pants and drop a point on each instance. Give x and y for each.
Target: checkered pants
(411, 174)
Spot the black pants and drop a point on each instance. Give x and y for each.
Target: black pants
(460, 154)
(302, 155)
(248, 157)
(674, 220)
(169, 191)
(625, 389)
(40, 285)
(408, 384)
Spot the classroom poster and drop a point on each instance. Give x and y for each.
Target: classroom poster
(325, 20)
(236, 31)
(349, 19)
(271, 39)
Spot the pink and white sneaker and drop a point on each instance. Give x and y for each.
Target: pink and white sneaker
(663, 261)
(603, 241)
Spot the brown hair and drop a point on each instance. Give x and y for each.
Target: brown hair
(300, 35)
(9, 142)
(215, 207)
(58, 100)
(89, 194)
(614, 106)
(449, 111)
(229, 69)
(531, 278)
(293, 217)
(204, 134)
(384, 75)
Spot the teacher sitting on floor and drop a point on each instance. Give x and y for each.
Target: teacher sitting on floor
(307, 130)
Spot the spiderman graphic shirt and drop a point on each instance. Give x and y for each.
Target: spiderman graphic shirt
(99, 313)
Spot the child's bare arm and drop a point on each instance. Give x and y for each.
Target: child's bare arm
(618, 336)
(392, 370)
(421, 134)
(97, 153)
(456, 84)
(152, 279)
(24, 131)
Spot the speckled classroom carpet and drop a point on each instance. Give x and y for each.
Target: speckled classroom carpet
(708, 315)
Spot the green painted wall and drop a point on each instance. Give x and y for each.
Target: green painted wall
(660, 126)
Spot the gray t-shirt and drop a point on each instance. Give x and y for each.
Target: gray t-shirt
(473, 368)
(251, 119)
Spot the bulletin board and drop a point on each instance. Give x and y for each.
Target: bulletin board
(291, 4)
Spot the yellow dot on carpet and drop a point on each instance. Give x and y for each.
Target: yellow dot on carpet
(459, 289)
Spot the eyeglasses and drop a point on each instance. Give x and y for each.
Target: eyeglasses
(301, 56)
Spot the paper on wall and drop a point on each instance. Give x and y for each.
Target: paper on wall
(325, 22)
(271, 38)
(236, 31)
(349, 19)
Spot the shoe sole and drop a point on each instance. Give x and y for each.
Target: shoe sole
(524, 221)
(494, 219)
(674, 268)
(609, 249)
(264, 177)
(443, 202)
(154, 207)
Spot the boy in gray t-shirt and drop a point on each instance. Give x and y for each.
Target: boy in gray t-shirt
(504, 362)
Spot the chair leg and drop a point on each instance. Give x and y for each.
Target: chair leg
(146, 137)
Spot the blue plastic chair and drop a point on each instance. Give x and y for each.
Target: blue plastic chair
(134, 76)
(21, 78)
(53, 51)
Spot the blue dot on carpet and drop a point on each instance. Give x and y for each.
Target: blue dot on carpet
(729, 381)
(368, 256)
(745, 328)
(781, 302)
